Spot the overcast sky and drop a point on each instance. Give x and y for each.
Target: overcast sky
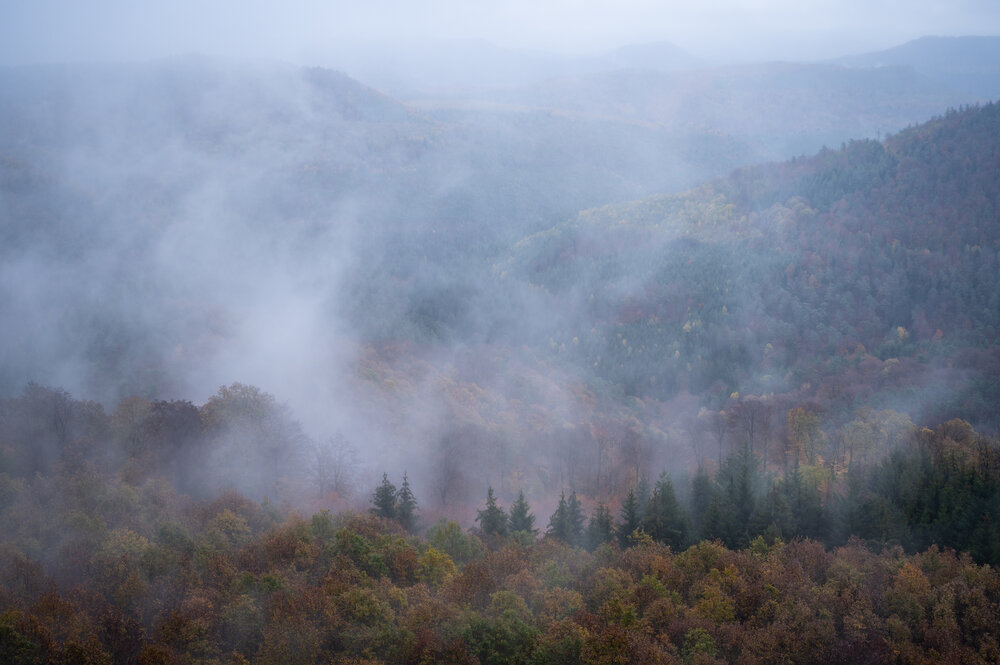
(303, 30)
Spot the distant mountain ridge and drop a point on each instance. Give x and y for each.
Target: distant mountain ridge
(456, 67)
(970, 64)
(408, 225)
(776, 109)
(766, 99)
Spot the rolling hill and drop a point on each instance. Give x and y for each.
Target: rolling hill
(965, 63)
(873, 254)
(423, 264)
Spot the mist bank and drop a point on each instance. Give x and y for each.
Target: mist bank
(759, 471)
(810, 306)
(159, 217)
(963, 63)
(420, 280)
(413, 69)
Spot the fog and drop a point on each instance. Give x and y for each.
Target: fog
(421, 254)
(305, 31)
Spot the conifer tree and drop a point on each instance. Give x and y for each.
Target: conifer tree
(600, 529)
(702, 493)
(492, 519)
(631, 518)
(520, 518)
(741, 495)
(665, 520)
(566, 522)
(574, 520)
(642, 495)
(803, 498)
(384, 499)
(406, 505)
(718, 521)
(557, 523)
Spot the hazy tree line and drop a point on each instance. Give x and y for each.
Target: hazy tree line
(929, 487)
(241, 438)
(113, 552)
(230, 580)
(876, 476)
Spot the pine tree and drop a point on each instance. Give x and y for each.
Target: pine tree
(492, 519)
(406, 505)
(601, 528)
(384, 499)
(520, 518)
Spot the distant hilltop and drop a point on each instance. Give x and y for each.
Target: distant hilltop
(970, 64)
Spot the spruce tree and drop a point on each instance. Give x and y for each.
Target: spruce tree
(384, 499)
(805, 504)
(642, 495)
(631, 518)
(406, 505)
(738, 478)
(774, 516)
(557, 523)
(718, 521)
(665, 520)
(492, 519)
(520, 518)
(600, 530)
(702, 493)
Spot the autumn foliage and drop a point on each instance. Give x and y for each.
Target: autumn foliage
(101, 565)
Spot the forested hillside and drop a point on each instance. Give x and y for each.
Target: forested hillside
(753, 418)
(388, 216)
(868, 268)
